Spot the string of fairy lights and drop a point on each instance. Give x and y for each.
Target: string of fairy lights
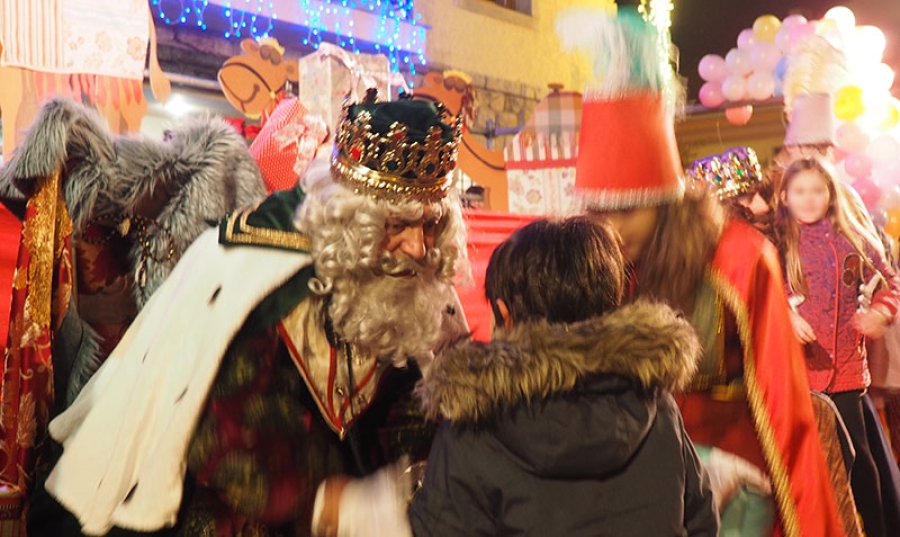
(325, 20)
(659, 14)
(333, 20)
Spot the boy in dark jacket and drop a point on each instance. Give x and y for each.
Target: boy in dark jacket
(564, 424)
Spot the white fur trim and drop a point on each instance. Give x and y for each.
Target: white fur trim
(126, 435)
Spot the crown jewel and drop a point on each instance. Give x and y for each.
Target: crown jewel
(412, 158)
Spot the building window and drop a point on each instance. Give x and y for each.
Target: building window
(522, 6)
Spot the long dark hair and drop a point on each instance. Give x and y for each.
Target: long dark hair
(674, 262)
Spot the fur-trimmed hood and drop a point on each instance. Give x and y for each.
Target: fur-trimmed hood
(473, 382)
(567, 399)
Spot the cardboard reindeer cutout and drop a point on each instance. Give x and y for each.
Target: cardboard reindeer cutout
(254, 81)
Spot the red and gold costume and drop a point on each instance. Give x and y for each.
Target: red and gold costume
(751, 397)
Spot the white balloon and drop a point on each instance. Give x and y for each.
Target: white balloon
(883, 150)
(734, 88)
(764, 57)
(887, 175)
(867, 45)
(760, 86)
(746, 39)
(738, 62)
(844, 18)
(782, 38)
(882, 78)
(792, 20)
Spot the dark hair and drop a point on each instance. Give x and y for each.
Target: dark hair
(560, 271)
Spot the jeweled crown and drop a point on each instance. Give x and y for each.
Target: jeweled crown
(398, 149)
(733, 173)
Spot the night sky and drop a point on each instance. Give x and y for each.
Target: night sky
(701, 27)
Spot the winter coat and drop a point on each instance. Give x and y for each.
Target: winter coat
(836, 360)
(569, 430)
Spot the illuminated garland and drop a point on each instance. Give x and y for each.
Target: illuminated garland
(256, 18)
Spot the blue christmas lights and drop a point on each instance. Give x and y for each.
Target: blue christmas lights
(325, 20)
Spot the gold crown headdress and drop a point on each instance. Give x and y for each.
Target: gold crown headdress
(398, 149)
(733, 173)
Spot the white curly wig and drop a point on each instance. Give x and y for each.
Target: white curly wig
(392, 318)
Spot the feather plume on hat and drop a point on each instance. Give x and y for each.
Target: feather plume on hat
(813, 66)
(627, 54)
(627, 152)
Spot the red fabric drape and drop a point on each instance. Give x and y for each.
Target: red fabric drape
(749, 278)
(40, 294)
(10, 233)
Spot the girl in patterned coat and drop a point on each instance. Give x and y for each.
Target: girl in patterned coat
(830, 257)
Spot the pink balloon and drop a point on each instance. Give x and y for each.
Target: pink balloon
(858, 166)
(746, 39)
(711, 95)
(800, 31)
(868, 191)
(739, 115)
(734, 88)
(738, 62)
(764, 57)
(761, 85)
(793, 20)
(712, 68)
(851, 138)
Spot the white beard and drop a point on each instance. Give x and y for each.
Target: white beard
(392, 318)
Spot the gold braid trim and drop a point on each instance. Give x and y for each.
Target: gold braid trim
(38, 235)
(764, 430)
(258, 236)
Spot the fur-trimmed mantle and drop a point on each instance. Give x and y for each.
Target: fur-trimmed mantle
(202, 171)
(474, 382)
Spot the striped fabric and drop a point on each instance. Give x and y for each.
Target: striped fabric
(97, 37)
(31, 34)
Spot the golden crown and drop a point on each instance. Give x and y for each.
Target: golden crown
(733, 173)
(397, 164)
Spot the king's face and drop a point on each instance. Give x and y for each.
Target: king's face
(411, 238)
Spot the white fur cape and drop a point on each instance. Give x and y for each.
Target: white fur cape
(126, 436)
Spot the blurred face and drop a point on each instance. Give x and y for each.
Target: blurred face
(755, 203)
(411, 239)
(634, 228)
(806, 197)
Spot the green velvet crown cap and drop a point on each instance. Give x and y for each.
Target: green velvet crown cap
(399, 149)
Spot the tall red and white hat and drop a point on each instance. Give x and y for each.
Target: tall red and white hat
(627, 155)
